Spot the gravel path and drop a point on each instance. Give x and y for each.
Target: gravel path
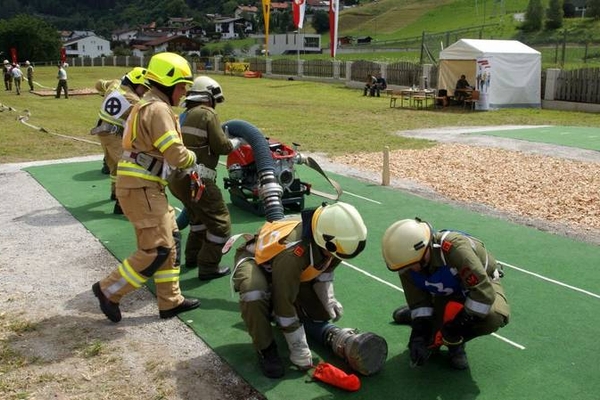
(48, 261)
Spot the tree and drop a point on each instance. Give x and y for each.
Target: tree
(593, 9)
(320, 22)
(33, 38)
(533, 16)
(554, 15)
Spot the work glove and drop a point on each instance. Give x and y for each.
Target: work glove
(454, 330)
(236, 142)
(420, 339)
(324, 291)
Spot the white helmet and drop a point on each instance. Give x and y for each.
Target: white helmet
(204, 89)
(405, 242)
(339, 229)
(5, 62)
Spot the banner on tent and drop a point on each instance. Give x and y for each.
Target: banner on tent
(482, 82)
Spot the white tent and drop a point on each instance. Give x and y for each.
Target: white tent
(507, 73)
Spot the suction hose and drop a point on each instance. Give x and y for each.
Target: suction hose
(269, 189)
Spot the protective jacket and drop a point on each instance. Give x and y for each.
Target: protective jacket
(460, 268)
(210, 223)
(271, 274)
(152, 137)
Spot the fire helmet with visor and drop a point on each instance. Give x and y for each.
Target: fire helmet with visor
(205, 89)
(339, 229)
(405, 242)
(137, 76)
(169, 69)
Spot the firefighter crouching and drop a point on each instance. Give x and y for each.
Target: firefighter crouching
(286, 271)
(210, 223)
(452, 288)
(151, 146)
(119, 97)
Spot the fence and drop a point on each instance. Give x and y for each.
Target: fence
(581, 86)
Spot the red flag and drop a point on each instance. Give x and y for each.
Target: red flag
(299, 7)
(63, 55)
(13, 55)
(334, 8)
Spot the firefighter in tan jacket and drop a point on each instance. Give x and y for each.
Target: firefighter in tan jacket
(119, 97)
(151, 147)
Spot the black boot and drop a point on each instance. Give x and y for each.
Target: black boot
(187, 305)
(270, 362)
(402, 315)
(458, 357)
(105, 169)
(110, 309)
(207, 276)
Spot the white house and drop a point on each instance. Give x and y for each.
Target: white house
(87, 45)
(227, 27)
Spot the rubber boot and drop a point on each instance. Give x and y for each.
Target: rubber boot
(402, 315)
(270, 362)
(458, 357)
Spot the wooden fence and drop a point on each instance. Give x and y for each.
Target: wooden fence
(581, 85)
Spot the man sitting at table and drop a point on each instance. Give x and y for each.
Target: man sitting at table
(370, 84)
(462, 87)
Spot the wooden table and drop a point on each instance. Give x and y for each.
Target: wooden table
(414, 98)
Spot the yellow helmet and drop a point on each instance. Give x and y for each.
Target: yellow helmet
(169, 69)
(405, 242)
(137, 76)
(339, 229)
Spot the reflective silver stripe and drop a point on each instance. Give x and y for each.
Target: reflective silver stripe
(325, 277)
(194, 131)
(206, 173)
(254, 295)
(148, 162)
(168, 275)
(197, 228)
(421, 312)
(286, 321)
(215, 239)
(115, 287)
(477, 307)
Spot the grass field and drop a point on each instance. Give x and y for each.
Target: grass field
(328, 118)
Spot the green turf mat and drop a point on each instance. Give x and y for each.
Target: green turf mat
(571, 136)
(547, 351)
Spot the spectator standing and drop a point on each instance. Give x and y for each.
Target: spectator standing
(17, 76)
(29, 72)
(62, 82)
(7, 75)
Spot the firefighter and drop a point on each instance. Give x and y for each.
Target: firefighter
(286, 271)
(210, 223)
(439, 269)
(119, 97)
(151, 146)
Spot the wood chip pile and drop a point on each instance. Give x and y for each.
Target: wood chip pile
(535, 186)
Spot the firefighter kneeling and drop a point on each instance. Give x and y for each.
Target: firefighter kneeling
(285, 273)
